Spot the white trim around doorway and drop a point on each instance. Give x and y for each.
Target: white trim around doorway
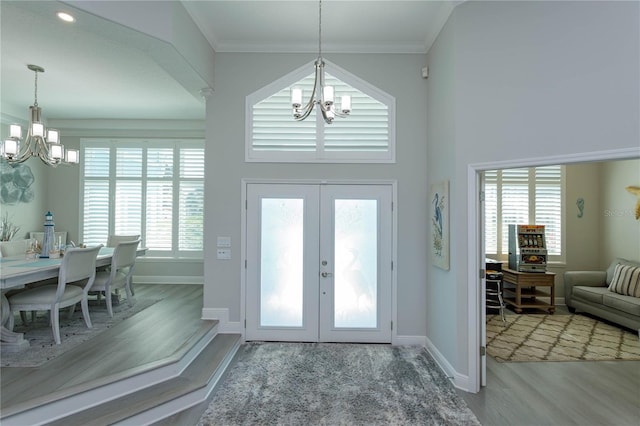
(475, 239)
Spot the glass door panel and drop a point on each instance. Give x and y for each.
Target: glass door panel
(282, 258)
(281, 275)
(318, 263)
(356, 263)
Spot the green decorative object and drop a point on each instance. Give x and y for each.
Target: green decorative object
(580, 204)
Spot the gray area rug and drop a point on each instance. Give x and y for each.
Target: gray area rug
(335, 384)
(72, 331)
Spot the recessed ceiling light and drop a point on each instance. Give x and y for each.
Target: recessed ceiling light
(66, 17)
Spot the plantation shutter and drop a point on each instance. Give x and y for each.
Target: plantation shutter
(549, 206)
(191, 207)
(274, 128)
(366, 135)
(531, 196)
(96, 195)
(515, 202)
(159, 206)
(128, 195)
(157, 189)
(491, 211)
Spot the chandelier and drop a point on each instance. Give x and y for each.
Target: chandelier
(17, 149)
(321, 95)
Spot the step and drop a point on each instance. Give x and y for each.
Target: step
(154, 403)
(170, 383)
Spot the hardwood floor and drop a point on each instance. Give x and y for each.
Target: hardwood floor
(153, 337)
(538, 393)
(559, 393)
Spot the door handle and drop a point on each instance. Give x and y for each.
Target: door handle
(326, 274)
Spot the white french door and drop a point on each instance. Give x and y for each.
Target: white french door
(319, 262)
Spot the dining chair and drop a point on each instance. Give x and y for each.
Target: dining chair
(119, 276)
(14, 248)
(76, 276)
(115, 239)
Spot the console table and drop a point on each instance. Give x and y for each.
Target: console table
(521, 289)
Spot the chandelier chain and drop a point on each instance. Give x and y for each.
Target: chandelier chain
(320, 29)
(35, 103)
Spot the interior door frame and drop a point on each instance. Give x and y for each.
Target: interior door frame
(475, 246)
(394, 235)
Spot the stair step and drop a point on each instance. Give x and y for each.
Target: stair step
(154, 403)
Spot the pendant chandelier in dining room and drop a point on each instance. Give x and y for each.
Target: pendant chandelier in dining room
(321, 95)
(16, 149)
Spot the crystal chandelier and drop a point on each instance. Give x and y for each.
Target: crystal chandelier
(321, 95)
(17, 149)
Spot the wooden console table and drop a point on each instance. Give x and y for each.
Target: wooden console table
(520, 289)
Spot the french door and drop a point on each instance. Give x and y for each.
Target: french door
(319, 263)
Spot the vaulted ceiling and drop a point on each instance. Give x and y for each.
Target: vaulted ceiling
(110, 63)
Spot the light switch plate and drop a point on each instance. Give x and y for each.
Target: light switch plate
(224, 254)
(224, 242)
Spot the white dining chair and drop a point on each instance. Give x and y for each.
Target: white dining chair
(119, 276)
(76, 276)
(115, 239)
(14, 247)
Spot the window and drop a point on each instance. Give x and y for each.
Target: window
(157, 189)
(367, 135)
(529, 196)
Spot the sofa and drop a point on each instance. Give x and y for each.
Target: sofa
(592, 292)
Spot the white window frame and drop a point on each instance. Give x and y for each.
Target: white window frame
(551, 258)
(320, 155)
(174, 252)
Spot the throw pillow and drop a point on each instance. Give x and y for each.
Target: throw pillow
(626, 280)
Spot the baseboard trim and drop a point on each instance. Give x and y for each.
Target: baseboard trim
(222, 315)
(458, 380)
(162, 279)
(409, 340)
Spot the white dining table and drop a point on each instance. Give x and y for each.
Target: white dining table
(18, 271)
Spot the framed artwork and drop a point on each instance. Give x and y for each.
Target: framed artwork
(440, 224)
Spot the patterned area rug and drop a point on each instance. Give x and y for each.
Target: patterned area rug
(72, 331)
(558, 338)
(335, 384)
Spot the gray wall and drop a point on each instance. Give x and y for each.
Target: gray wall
(532, 80)
(238, 75)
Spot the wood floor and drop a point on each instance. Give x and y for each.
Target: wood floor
(538, 393)
(559, 393)
(151, 339)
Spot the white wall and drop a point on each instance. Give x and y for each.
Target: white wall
(533, 80)
(238, 75)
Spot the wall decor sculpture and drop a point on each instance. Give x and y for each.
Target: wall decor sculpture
(635, 190)
(15, 183)
(440, 224)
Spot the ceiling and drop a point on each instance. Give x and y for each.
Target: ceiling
(96, 68)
